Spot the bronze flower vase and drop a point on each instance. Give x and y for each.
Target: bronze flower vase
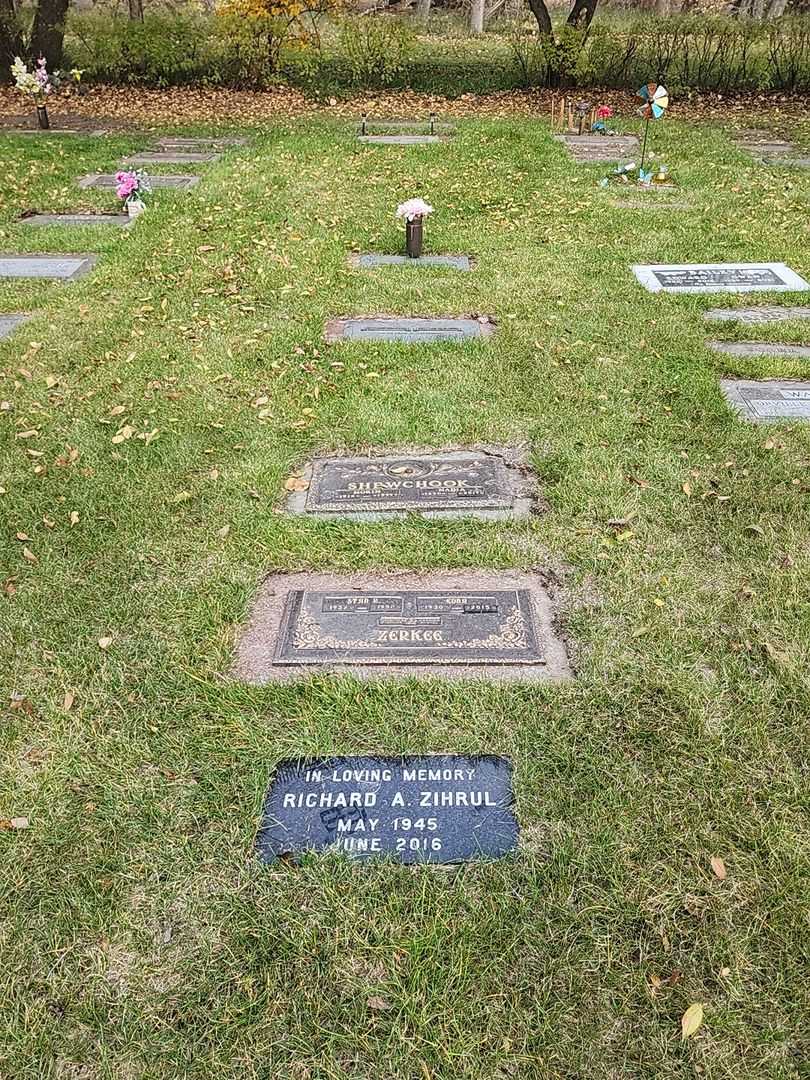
(42, 118)
(413, 238)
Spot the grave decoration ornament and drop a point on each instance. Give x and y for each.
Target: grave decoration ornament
(131, 187)
(37, 85)
(656, 103)
(603, 114)
(414, 212)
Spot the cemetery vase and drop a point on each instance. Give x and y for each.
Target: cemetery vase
(42, 118)
(135, 207)
(413, 238)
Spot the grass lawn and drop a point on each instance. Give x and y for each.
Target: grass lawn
(152, 413)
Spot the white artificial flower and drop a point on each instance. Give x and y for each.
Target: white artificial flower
(414, 208)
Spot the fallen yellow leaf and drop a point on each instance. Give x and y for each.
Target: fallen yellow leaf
(691, 1020)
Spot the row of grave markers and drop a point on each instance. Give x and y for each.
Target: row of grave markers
(496, 626)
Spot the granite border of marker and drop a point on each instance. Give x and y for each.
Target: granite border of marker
(789, 281)
(469, 328)
(79, 220)
(85, 264)
(442, 126)
(11, 321)
(760, 348)
(734, 392)
(370, 260)
(161, 181)
(520, 485)
(257, 638)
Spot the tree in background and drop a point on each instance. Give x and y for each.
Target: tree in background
(47, 35)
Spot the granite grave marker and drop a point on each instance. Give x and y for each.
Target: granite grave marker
(770, 399)
(400, 140)
(586, 149)
(172, 157)
(83, 220)
(449, 484)
(107, 181)
(436, 808)
(61, 267)
(719, 277)
(408, 330)
(369, 260)
(765, 314)
(761, 348)
(200, 142)
(9, 323)
(490, 625)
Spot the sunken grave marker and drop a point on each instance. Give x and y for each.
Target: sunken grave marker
(488, 484)
(107, 181)
(765, 314)
(490, 625)
(369, 260)
(408, 330)
(81, 220)
(9, 323)
(172, 157)
(437, 808)
(52, 267)
(761, 348)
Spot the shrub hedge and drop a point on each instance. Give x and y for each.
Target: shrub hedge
(709, 53)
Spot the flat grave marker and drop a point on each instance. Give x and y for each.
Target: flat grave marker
(449, 484)
(123, 221)
(588, 149)
(107, 181)
(9, 323)
(761, 348)
(433, 808)
(53, 267)
(768, 399)
(719, 277)
(449, 624)
(400, 140)
(172, 157)
(412, 331)
(369, 260)
(756, 315)
(202, 142)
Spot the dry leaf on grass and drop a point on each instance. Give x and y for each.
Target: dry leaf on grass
(691, 1020)
(105, 642)
(296, 483)
(719, 867)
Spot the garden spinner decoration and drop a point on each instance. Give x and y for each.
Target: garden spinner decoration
(656, 103)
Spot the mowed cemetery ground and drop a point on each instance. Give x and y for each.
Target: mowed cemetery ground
(153, 412)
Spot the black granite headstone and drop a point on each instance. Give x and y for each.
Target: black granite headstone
(408, 627)
(440, 808)
(443, 482)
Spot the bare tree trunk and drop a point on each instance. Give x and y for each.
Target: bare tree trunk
(136, 10)
(477, 17)
(582, 13)
(10, 39)
(423, 10)
(540, 12)
(48, 31)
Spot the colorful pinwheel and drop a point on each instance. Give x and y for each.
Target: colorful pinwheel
(656, 103)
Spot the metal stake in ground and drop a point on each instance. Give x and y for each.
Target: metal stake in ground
(656, 102)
